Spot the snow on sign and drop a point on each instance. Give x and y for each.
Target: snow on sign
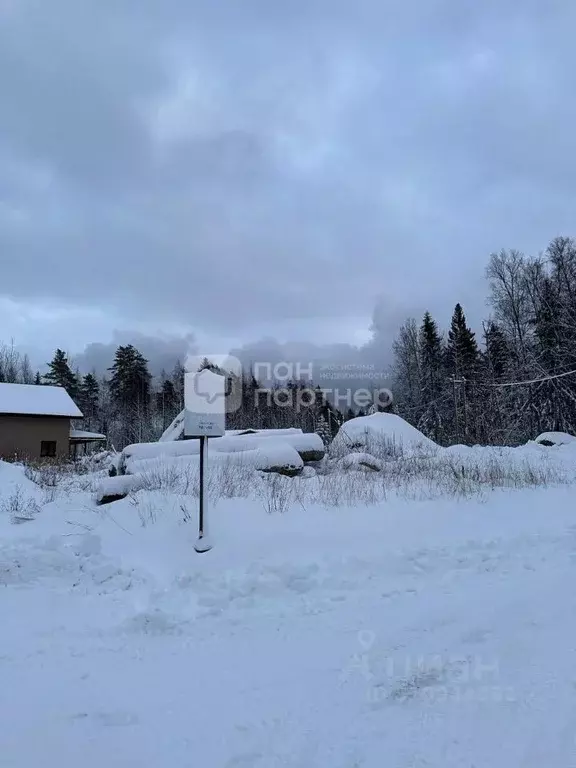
(204, 403)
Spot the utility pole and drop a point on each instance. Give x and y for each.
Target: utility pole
(465, 404)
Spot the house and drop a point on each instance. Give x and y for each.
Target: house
(35, 422)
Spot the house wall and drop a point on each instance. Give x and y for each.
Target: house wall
(20, 436)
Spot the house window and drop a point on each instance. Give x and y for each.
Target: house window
(48, 449)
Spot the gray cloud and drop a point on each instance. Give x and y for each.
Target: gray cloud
(162, 352)
(233, 170)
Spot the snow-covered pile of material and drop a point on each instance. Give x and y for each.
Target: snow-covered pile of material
(264, 432)
(178, 471)
(381, 434)
(114, 488)
(268, 457)
(308, 446)
(175, 431)
(555, 438)
(278, 456)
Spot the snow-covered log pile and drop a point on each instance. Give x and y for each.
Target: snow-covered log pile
(294, 445)
(272, 457)
(115, 488)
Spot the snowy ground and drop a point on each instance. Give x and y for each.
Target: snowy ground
(411, 633)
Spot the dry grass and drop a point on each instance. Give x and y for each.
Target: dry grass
(440, 474)
(19, 506)
(223, 479)
(417, 478)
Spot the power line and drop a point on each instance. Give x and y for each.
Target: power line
(516, 383)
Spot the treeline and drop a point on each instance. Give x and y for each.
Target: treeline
(128, 405)
(514, 383)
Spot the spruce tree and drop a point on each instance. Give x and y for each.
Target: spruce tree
(462, 361)
(61, 375)
(431, 358)
(432, 377)
(38, 379)
(89, 397)
(462, 350)
(209, 365)
(497, 353)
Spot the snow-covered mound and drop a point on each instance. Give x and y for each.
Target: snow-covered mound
(12, 477)
(555, 438)
(381, 434)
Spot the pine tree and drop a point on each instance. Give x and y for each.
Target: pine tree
(38, 379)
(61, 375)
(89, 396)
(130, 393)
(130, 379)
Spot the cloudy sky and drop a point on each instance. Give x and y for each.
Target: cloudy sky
(210, 174)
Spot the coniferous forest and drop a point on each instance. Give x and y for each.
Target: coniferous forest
(508, 381)
(501, 384)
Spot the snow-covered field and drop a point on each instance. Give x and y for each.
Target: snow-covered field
(434, 627)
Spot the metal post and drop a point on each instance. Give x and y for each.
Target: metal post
(201, 515)
(202, 545)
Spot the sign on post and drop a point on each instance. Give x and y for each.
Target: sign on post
(204, 417)
(204, 403)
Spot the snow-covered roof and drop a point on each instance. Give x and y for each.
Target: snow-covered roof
(37, 400)
(78, 434)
